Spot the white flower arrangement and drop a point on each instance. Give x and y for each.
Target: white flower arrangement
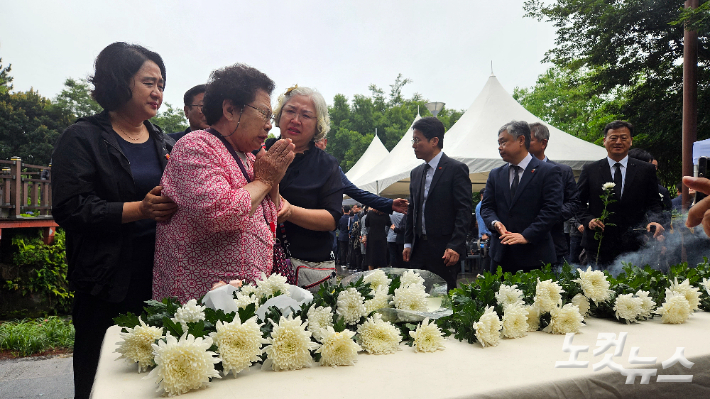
(594, 284)
(608, 186)
(381, 299)
(508, 295)
(488, 328)
(137, 344)
(243, 300)
(238, 344)
(706, 285)
(547, 295)
(338, 348)
(628, 307)
(267, 287)
(691, 293)
(377, 279)
(248, 289)
(351, 305)
(515, 321)
(533, 317)
(647, 304)
(190, 312)
(411, 297)
(290, 345)
(428, 337)
(183, 364)
(319, 319)
(379, 337)
(582, 303)
(411, 277)
(564, 320)
(676, 309)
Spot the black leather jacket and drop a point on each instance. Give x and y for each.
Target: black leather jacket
(91, 179)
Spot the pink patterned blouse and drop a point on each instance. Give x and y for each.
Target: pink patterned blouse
(211, 236)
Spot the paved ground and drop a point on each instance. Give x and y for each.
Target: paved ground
(47, 378)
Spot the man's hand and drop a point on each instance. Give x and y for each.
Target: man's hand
(406, 254)
(580, 228)
(500, 227)
(596, 223)
(157, 207)
(658, 234)
(400, 205)
(484, 237)
(392, 227)
(700, 212)
(450, 257)
(512, 239)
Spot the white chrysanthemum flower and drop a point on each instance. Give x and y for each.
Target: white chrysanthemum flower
(381, 299)
(338, 348)
(351, 305)
(691, 293)
(319, 318)
(706, 285)
(509, 295)
(411, 297)
(428, 337)
(183, 364)
(565, 319)
(594, 284)
(238, 344)
(378, 337)
(290, 345)
(190, 312)
(267, 287)
(248, 289)
(608, 186)
(647, 304)
(547, 295)
(410, 277)
(582, 303)
(243, 300)
(488, 328)
(377, 279)
(137, 344)
(515, 321)
(628, 307)
(533, 317)
(676, 309)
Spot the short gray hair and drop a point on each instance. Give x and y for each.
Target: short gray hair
(323, 124)
(516, 129)
(540, 131)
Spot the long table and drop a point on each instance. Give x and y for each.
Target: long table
(522, 367)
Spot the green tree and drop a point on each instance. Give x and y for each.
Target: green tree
(76, 98)
(5, 78)
(171, 120)
(632, 47)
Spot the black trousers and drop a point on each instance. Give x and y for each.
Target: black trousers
(91, 317)
(395, 254)
(343, 252)
(428, 256)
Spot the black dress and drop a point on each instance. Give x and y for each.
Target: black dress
(377, 239)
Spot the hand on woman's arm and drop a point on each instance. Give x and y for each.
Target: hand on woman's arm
(154, 206)
(312, 219)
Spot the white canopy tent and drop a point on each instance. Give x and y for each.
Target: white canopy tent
(375, 153)
(474, 140)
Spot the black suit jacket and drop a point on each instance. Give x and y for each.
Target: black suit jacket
(532, 212)
(639, 205)
(448, 207)
(570, 205)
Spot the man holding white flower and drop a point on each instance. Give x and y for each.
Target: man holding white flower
(636, 207)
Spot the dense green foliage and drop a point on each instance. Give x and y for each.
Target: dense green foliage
(625, 58)
(27, 337)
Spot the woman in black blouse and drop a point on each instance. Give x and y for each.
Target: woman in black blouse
(312, 184)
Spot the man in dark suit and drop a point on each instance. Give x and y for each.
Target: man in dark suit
(539, 137)
(193, 111)
(440, 207)
(637, 207)
(521, 203)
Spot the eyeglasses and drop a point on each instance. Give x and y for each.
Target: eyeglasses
(291, 113)
(416, 140)
(266, 115)
(195, 105)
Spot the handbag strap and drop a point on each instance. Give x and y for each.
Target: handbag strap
(234, 154)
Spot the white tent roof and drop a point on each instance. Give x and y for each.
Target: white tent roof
(701, 149)
(474, 141)
(375, 153)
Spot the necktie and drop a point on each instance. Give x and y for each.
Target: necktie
(421, 199)
(617, 180)
(516, 180)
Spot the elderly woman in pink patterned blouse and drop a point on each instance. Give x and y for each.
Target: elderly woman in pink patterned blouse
(227, 199)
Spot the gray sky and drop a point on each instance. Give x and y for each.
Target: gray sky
(444, 46)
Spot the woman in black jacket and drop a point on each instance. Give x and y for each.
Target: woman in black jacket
(106, 170)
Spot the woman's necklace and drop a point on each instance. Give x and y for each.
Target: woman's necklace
(126, 135)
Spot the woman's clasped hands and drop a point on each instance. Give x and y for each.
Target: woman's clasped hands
(270, 166)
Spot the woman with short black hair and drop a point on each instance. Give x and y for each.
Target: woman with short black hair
(105, 183)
